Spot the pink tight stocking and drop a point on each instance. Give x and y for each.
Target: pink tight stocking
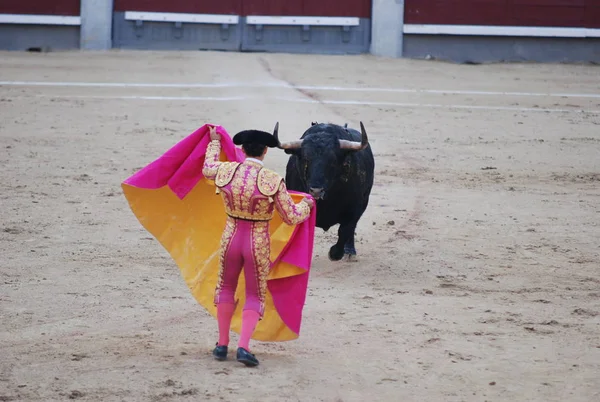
(249, 320)
(224, 315)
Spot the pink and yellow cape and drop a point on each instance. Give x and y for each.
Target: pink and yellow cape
(176, 204)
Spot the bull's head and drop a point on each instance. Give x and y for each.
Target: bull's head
(321, 157)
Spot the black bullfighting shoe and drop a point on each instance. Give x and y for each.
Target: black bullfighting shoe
(220, 352)
(243, 356)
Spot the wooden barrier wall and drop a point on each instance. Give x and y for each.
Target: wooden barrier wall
(535, 13)
(42, 7)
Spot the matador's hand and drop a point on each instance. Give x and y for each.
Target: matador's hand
(309, 201)
(213, 133)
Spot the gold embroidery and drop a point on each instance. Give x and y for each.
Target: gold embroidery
(226, 196)
(268, 182)
(225, 173)
(249, 188)
(225, 243)
(236, 188)
(254, 206)
(260, 209)
(261, 246)
(211, 160)
(291, 212)
(263, 208)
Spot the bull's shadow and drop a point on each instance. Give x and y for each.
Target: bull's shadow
(334, 164)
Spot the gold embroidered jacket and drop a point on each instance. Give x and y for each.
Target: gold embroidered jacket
(251, 191)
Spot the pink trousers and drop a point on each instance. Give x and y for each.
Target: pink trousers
(244, 245)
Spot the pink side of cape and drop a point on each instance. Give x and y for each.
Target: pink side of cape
(180, 168)
(289, 294)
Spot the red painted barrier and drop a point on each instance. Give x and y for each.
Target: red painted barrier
(549, 13)
(42, 7)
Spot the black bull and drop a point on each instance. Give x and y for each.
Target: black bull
(335, 165)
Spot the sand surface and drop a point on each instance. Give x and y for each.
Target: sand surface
(478, 276)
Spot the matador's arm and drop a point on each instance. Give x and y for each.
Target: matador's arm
(291, 212)
(211, 161)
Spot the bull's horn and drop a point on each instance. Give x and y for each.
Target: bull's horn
(287, 145)
(354, 145)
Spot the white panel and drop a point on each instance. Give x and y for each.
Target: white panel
(39, 19)
(324, 21)
(592, 33)
(182, 17)
(500, 31)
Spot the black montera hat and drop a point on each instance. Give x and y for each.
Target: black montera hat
(255, 137)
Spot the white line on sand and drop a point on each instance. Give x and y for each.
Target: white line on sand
(433, 105)
(136, 97)
(284, 85)
(328, 102)
(144, 84)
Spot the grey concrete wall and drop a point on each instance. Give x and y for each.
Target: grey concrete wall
(386, 28)
(317, 39)
(44, 37)
(485, 49)
(96, 24)
(169, 36)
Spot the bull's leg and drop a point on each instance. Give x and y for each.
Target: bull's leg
(349, 247)
(345, 236)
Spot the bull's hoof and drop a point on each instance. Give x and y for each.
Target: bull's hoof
(349, 250)
(336, 253)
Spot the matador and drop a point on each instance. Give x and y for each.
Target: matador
(250, 193)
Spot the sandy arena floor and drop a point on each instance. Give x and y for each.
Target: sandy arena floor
(479, 256)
